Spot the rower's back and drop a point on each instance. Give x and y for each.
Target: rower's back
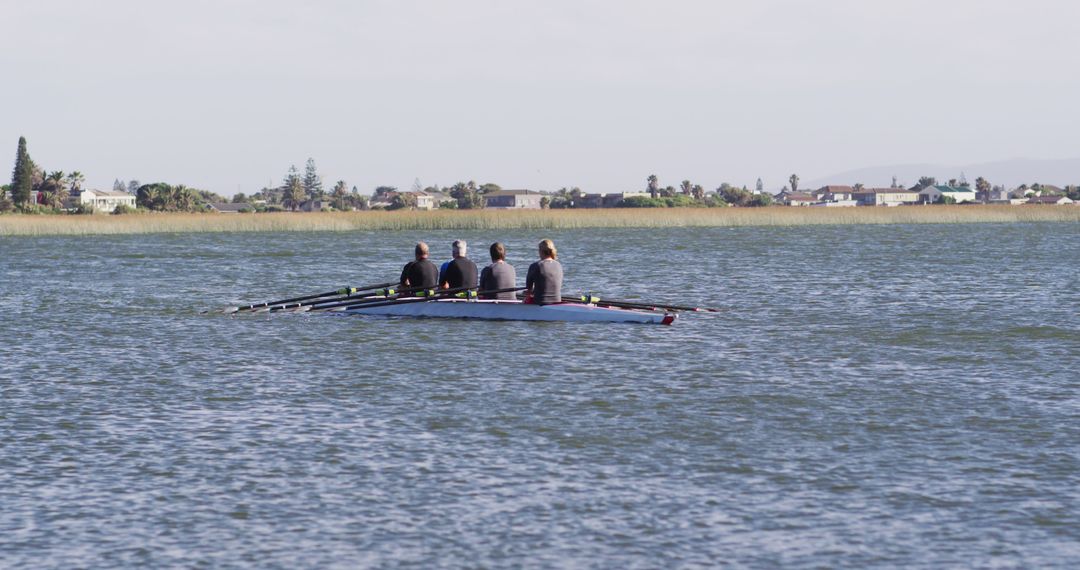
(497, 276)
(461, 272)
(545, 279)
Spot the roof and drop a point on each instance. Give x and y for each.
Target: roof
(884, 191)
(801, 197)
(836, 189)
(228, 207)
(1047, 199)
(513, 193)
(110, 193)
(950, 189)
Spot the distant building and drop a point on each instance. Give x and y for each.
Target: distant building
(231, 208)
(934, 194)
(885, 196)
(1050, 200)
(105, 201)
(513, 199)
(833, 193)
(797, 199)
(316, 205)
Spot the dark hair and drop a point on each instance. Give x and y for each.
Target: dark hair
(498, 251)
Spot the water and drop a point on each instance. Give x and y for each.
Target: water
(871, 397)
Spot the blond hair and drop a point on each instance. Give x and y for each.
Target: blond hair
(547, 249)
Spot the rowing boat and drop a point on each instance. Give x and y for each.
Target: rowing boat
(514, 311)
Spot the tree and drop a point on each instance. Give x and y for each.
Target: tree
(380, 190)
(76, 179)
(760, 186)
(760, 200)
(734, 196)
(927, 181)
(698, 192)
(467, 195)
(22, 178)
(953, 183)
(403, 200)
(894, 183)
(489, 188)
(545, 203)
(794, 180)
(312, 181)
(53, 190)
(654, 185)
(118, 186)
(858, 187)
(239, 198)
(340, 195)
(293, 193)
(983, 186)
(686, 187)
(133, 186)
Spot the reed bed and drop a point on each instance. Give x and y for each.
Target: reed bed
(147, 223)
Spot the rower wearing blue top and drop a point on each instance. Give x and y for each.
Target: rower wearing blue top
(460, 271)
(543, 282)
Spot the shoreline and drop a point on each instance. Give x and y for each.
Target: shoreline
(155, 223)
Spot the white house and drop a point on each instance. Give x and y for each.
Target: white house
(934, 194)
(105, 201)
(884, 196)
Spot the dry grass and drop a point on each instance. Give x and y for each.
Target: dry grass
(13, 225)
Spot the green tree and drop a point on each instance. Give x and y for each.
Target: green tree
(118, 186)
(653, 186)
(340, 195)
(983, 186)
(686, 187)
(54, 190)
(698, 192)
(312, 181)
(927, 181)
(489, 188)
(22, 178)
(293, 194)
(794, 180)
(239, 198)
(467, 195)
(760, 186)
(75, 181)
(734, 196)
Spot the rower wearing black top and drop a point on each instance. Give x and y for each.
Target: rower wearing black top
(420, 273)
(460, 271)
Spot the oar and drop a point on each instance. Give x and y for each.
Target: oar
(333, 303)
(343, 291)
(435, 294)
(470, 292)
(587, 299)
(314, 304)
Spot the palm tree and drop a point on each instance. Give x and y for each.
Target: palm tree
(75, 181)
(293, 194)
(794, 180)
(654, 185)
(340, 192)
(686, 187)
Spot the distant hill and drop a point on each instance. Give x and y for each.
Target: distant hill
(1011, 173)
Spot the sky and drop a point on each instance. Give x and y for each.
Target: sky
(225, 95)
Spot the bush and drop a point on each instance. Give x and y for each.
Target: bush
(123, 209)
(643, 202)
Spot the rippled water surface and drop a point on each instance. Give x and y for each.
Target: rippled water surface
(871, 396)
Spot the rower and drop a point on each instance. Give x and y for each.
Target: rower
(460, 271)
(543, 282)
(498, 275)
(420, 273)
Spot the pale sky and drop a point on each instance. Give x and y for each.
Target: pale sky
(225, 95)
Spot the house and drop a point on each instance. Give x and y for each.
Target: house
(1050, 200)
(230, 208)
(935, 194)
(105, 201)
(513, 199)
(996, 195)
(797, 199)
(884, 196)
(384, 200)
(833, 193)
(316, 205)
(424, 201)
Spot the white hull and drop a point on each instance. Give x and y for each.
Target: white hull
(516, 311)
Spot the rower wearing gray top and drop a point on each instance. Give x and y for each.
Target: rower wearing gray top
(543, 282)
(498, 275)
